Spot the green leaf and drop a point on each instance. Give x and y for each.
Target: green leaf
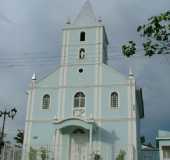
(156, 33)
(139, 28)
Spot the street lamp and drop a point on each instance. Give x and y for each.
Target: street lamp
(6, 113)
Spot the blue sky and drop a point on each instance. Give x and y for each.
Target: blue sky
(30, 41)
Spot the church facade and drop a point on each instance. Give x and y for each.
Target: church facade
(85, 109)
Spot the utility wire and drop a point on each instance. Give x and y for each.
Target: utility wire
(40, 57)
(54, 60)
(44, 60)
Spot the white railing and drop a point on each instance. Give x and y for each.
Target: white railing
(60, 152)
(49, 152)
(39, 152)
(11, 152)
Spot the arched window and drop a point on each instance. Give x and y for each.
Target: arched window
(114, 100)
(82, 53)
(82, 36)
(46, 102)
(79, 100)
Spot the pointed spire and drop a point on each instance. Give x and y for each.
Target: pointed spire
(130, 72)
(34, 76)
(33, 81)
(86, 15)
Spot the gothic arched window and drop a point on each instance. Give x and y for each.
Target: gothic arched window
(82, 36)
(46, 101)
(79, 100)
(114, 100)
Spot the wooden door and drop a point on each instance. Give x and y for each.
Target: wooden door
(79, 146)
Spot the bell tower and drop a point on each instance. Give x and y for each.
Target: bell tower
(84, 40)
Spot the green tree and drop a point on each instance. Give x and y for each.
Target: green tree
(121, 155)
(32, 154)
(44, 153)
(19, 138)
(156, 36)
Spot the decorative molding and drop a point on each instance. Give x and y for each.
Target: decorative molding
(119, 119)
(39, 121)
(100, 78)
(30, 108)
(83, 27)
(122, 119)
(85, 86)
(83, 44)
(65, 70)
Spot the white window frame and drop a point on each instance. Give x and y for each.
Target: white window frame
(79, 111)
(118, 100)
(42, 107)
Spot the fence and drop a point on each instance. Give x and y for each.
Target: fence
(44, 152)
(48, 152)
(11, 152)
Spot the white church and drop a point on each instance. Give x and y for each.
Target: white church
(85, 110)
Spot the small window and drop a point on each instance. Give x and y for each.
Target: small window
(82, 53)
(81, 70)
(114, 100)
(79, 100)
(46, 102)
(82, 36)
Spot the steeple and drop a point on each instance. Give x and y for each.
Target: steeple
(86, 17)
(86, 39)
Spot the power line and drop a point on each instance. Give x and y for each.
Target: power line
(22, 63)
(40, 57)
(70, 46)
(50, 64)
(47, 61)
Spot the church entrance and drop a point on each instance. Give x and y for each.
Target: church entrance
(79, 145)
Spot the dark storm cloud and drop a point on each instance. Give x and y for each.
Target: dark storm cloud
(33, 28)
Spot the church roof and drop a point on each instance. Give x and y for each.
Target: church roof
(163, 134)
(86, 17)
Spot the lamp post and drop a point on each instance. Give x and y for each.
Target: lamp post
(6, 114)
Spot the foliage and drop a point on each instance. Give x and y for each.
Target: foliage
(19, 138)
(32, 154)
(156, 35)
(121, 155)
(95, 155)
(142, 139)
(44, 153)
(129, 49)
